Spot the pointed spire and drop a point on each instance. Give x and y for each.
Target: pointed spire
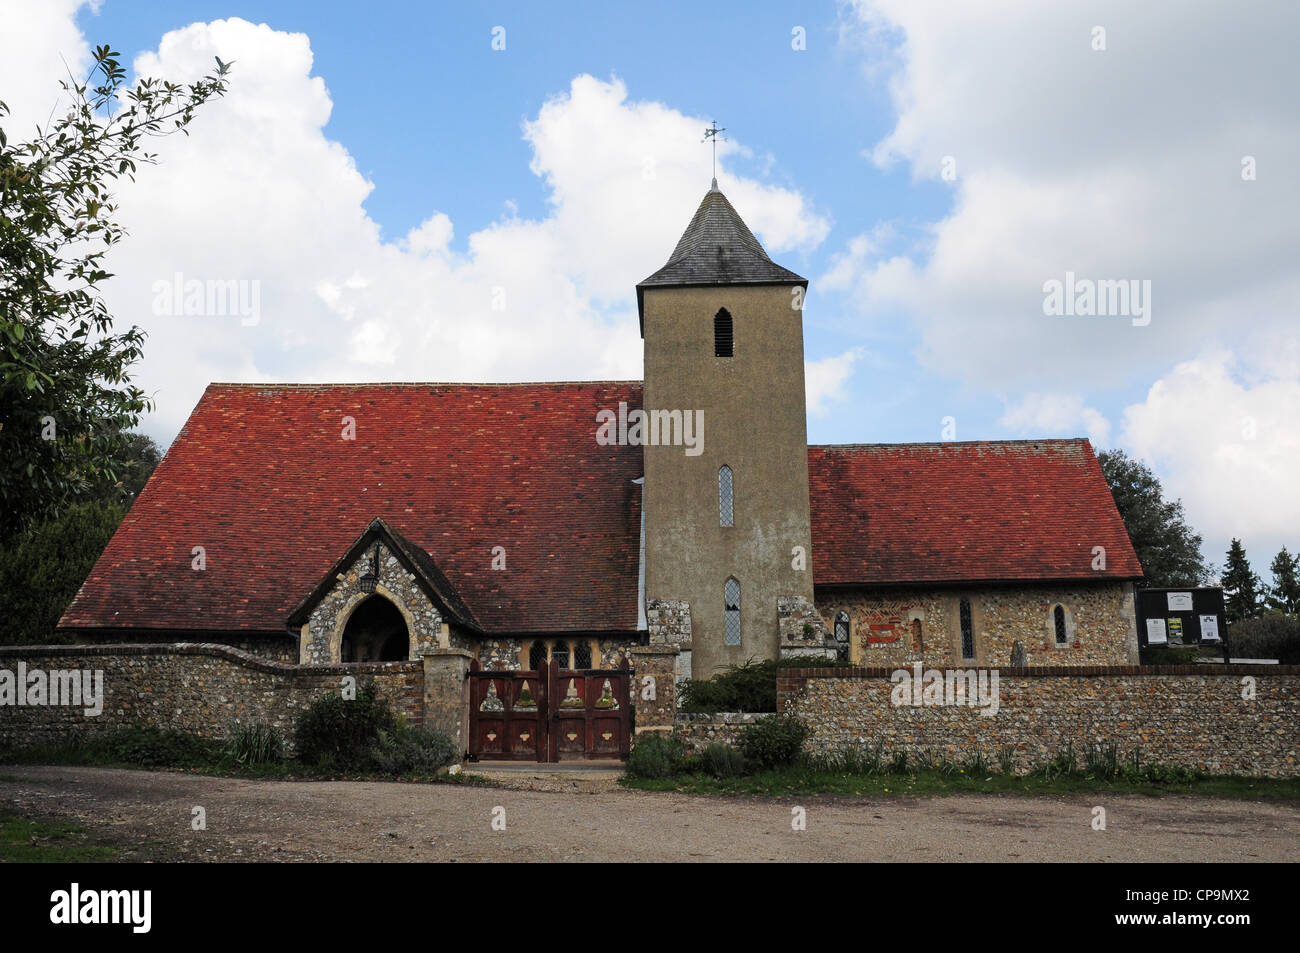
(717, 248)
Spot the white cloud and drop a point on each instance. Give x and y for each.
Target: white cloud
(825, 380)
(1122, 164)
(41, 47)
(258, 192)
(1056, 415)
(1223, 432)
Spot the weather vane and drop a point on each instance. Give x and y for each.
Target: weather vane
(711, 135)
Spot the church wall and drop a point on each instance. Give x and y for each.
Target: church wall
(1222, 719)
(203, 688)
(1100, 622)
(511, 654)
(276, 648)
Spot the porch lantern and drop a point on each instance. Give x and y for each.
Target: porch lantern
(371, 577)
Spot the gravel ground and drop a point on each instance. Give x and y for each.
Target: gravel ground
(584, 819)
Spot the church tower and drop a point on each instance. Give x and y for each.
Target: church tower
(726, 524)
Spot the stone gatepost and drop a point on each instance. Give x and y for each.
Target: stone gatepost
(653, 687)
(446, 694)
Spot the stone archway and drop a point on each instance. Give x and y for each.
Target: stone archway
(376, 631)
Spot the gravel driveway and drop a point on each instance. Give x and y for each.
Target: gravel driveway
(595, 820)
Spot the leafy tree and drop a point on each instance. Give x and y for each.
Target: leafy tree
(66, 399)
(1272, 635)
(41, 571)
(1240, 586)
(1167, 548)
(1284, 594)
(135, 461)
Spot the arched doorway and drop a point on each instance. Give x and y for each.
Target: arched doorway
(376, 632)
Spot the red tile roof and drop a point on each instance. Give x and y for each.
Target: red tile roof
(261, 478)
(978, 511)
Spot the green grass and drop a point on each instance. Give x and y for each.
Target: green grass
(27, 841)
(801, 780)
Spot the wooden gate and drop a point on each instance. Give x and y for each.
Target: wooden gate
(550, 714)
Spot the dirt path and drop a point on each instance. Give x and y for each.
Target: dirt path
(594, 820)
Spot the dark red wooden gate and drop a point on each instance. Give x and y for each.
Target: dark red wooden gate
(550, 714)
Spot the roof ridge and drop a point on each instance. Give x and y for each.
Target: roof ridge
(948, 443)
(292, 385)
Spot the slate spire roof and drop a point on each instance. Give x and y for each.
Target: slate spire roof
(717, 248)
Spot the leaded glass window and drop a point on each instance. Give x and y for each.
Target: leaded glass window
(582, 654)
(842, 636)
(726, 498)
(731, 600)
(537, 655)
(560, 654)
(1058, 618)
(967, 631)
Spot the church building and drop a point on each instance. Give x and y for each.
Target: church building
(569, 523)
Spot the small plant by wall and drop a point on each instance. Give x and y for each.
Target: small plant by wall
(341, 733)
(772, 742)
(656, 756)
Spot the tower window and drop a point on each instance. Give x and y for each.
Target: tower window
(723, 338)
(1058, 619)
(967, 631)
(842, 636)
(731, 600)
(726, 498)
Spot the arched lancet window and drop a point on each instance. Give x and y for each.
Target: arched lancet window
(582, 654)
(1058, 620)
(731, 622)
(726, 497)
(918, 641)
(537, 655)
(842, 636)
(560, 654)
(724, 341)
(967, 631)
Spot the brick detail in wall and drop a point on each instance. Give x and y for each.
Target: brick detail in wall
(1101, 617)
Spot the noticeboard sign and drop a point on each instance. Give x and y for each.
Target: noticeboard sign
(1156, 632)
(1180, 616)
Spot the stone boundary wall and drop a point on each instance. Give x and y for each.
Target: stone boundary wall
(1188, 715)
(699, 731)
(203, 688)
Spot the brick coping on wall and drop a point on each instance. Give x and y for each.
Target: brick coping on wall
(214, 649)
(720, 717)
(1040, 671)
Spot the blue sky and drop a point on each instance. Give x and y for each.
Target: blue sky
(374, 163)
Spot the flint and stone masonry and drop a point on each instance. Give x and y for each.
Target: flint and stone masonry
(899, 626)
(1238, 719)
(323, 633)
